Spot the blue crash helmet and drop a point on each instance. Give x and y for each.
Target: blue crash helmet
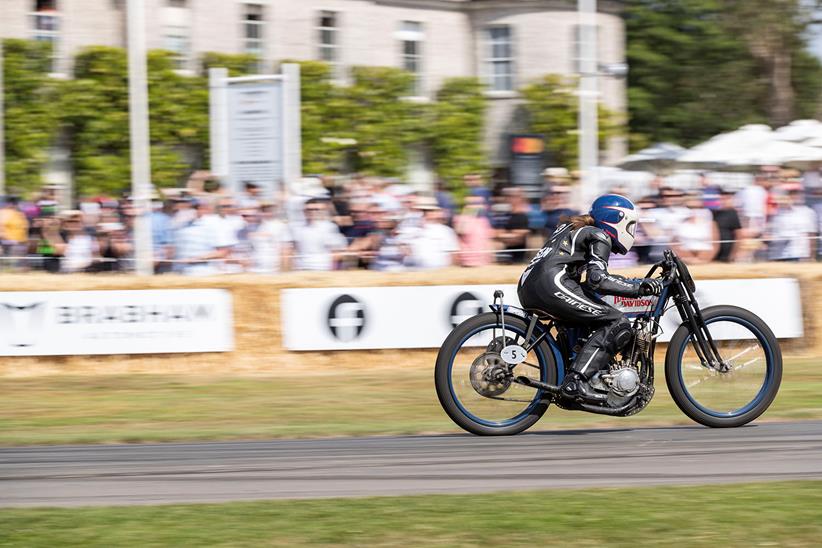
(617, 216)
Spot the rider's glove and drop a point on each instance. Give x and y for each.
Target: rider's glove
(650, 286)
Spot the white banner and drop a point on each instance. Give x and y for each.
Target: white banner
(58, 323)
(422, 316)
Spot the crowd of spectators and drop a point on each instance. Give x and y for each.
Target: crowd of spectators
(372, 223)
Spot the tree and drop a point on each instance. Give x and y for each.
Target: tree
(773, 30)
(552, 105)
(456, 130)
(30, 112)
(689, 77)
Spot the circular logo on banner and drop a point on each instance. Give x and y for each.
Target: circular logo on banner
(346, 318)
(464, 306)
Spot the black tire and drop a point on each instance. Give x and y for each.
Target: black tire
(765, 395)
(442, 380)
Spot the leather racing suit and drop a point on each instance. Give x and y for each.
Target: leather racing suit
(552, 284)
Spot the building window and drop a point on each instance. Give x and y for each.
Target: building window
(45, 24)
(254, 31)
(177, 32)
(329, 40)
(499, 60)
(411, 38)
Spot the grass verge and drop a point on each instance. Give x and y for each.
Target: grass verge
(757, 514)
(144, 408)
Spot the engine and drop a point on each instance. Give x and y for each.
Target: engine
(621, 382)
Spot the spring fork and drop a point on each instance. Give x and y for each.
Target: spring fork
(498, 294)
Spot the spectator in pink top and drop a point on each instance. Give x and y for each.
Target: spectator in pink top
(475, 233)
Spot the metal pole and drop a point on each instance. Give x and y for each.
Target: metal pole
(2, 127)
(292, 123)
(588, 99)
(218, 121)
(138, 118)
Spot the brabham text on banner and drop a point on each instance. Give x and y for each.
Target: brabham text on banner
(57, 323)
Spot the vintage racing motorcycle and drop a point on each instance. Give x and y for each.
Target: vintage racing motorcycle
(497, 372)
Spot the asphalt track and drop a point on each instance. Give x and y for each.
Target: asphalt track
(218, 472)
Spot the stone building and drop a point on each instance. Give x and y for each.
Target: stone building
(505, 42)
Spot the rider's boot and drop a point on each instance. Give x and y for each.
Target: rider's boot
(595, 356)
(576, 383)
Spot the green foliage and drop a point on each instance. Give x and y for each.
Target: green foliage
(381, 121)
(701, 67)
(95, 110)
(689, 78)
(323, 115)
(807, 83)
(238, 64)
(553, 109)
(30, 111)
(457, 130)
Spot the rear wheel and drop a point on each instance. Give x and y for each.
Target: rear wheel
(746, 383)
(475, 385)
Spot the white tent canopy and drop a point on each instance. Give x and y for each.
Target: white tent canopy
(756, 145)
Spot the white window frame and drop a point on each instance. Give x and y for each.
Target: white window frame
(177, 33)
(255, 46)
(334, 46)
(490, 62)
(48, 35)
(413, 32)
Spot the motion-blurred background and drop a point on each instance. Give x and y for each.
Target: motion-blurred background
(222, 220)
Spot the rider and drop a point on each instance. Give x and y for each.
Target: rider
(553, 284)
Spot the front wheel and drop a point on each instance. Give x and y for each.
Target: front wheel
(743, 387)
(475, 386)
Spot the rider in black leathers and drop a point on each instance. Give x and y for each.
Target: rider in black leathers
(553, 284)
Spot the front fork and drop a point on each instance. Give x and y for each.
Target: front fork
(702, 341)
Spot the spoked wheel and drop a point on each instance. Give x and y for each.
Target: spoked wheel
(746, 382)
(475, 385)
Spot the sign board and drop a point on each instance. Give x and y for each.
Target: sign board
(255, 141)
(422, 316)
(60, 323)
(255, 129)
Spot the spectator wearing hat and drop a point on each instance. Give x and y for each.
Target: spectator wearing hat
(434, 243)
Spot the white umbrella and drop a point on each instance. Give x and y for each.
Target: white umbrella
(800, 131)
(658, 156)
(778, 153)
(719, 151)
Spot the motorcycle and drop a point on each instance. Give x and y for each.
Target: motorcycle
(498, 372)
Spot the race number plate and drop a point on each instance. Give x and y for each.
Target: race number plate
(513, 354)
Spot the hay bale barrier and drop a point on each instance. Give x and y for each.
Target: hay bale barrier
(258, 337)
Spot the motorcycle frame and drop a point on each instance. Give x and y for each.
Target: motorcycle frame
(677, 286)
